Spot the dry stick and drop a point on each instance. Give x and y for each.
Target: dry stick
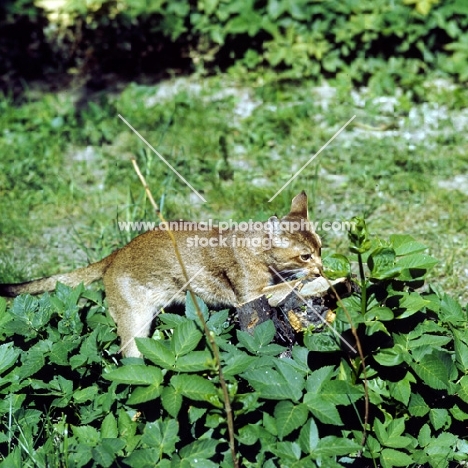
(363, 362)
(214, 346)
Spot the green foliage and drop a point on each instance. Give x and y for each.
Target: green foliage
(389, 43)
(382, 44)
(66, 400)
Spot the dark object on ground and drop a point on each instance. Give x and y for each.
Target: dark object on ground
(310, 306)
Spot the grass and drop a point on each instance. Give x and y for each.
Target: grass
(66, 178)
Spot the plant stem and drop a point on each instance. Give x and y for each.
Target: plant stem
(363, 285)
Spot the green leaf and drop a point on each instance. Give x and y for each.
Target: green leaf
(33, 360)
(191, 310)
(382, 263)
(341, 392)
(390, 457)
(433, 370)
(85, 394)
(373, 327)
(94, 296)
(401, 390)
(441, 448)
(127, 426)
(269, 423)
(439, 417)
(271, 385)
(272, 349)
(86, 435)
(247, 22)
(142, 458)
(411, 303)
(288, 370)
(171, 321)
(248, 434)
(210, 6)
(463, 392)
(417, 405)
(379, 313)
(458, 414)
(61, 349)
(300, 356)
(11, 402)
(336, 266)
(275, 8)
(109, 427)
(451, 311)
(195, 413)
(237, 363)
(404, 244)
(287, 451)
(135, 374)
(391, 356)
(264, 333)
(161, 435)
(63, 388)
(8, 356)
(352, 305)
(399, 442)
(218, 321)
(25, 307)
(331, 446)
(157, 351)
(317, 378)
(389, 434)
(372, 447)
(359, 236)
(106, 452)
(204, 448)
(185, 338)
(289, 417)
(424, 436)
(417, 261)
(429, 341)
(171, 400)
(324, 411)
(196, 361)
(461, 351)
(194, 387)
(247, 341)
(380, 431)
(143, 394)
(309, 437)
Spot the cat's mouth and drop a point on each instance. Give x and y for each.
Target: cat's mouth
(293, 274)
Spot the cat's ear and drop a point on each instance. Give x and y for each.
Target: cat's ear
(299, 206)
(274, 226)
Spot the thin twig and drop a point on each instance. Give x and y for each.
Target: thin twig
(209, 336)
(363, 361)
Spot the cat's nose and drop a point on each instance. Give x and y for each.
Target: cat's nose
(317, 269)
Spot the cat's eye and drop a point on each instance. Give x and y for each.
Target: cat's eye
(305, 257)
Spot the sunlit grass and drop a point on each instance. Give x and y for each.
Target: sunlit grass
(65, 179)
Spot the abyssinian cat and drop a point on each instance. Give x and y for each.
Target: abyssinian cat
(225, 268)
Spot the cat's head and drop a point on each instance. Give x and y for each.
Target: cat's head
(295, 250)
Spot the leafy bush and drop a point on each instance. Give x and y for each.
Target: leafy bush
(68, 401)
(381, 43)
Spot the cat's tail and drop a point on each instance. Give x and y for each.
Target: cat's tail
(85, 275)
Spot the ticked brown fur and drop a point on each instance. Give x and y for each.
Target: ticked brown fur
(144, 276)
